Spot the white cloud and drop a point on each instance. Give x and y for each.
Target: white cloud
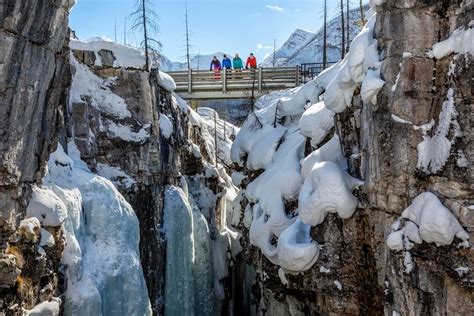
(261, 47)
(274, 8)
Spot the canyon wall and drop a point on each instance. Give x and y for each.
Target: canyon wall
(34, 80)
(392, 144)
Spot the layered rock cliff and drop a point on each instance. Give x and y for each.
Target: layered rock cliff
(34, 81)
(400, 107)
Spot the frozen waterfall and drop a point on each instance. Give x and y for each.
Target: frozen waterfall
(102, 264)
(189, 271)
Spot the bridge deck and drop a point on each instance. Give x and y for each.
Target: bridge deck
(233, 84)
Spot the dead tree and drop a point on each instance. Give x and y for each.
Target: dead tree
(325, 37)
(188, 55)
(343, 35)
(145, 21)
(348, 26)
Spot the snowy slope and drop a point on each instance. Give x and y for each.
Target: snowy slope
(306, 47)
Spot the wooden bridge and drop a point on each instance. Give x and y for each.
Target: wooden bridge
(234, 84)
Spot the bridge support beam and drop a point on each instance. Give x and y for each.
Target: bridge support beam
(224, 80)
(297, 75)
(190, 81)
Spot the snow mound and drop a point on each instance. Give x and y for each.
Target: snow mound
(125, 132)
(166, 126)
(360, 65)
(165, 81)
(427, 219)
(296, 251)
(330, 151)
(46, 206)
(460, 41)
(316, 122)
(46, 308)
(328, 189)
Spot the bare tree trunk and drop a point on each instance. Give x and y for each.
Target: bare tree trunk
(361, 11)
(343, 35)
(147, 63)
(348, 28)
(325, 35)
(188, 57)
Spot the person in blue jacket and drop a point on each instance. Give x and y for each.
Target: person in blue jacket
(226, 62)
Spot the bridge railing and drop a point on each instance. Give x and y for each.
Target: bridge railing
(231, 80)
(261, 80)
(308, 71)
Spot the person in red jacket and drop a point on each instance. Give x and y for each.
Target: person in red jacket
(251, 62)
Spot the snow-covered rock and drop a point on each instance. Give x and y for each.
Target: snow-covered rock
(86, 84)
(427, 219)
(46, 206)
(329, 190)
(46, 308)
(123, 56)
(435, 222)
(460, 41)
(166, 127)
(316, 122)
(165, 81)
(360, 65)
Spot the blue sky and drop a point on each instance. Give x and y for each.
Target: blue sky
(229, 26)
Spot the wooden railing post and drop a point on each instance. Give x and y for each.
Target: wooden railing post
(260, 77)
(297, 75)
(190, 81)
(224, 81)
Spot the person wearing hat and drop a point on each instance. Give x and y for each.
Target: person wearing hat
(216, 66)
(238, 65)
(251, 62)
(226, 63)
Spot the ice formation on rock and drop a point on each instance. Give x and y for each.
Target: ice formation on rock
(434, 150)
(101, 259)
(189, 289)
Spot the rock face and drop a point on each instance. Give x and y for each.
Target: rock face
(34, 80)
(142, 155)
(356, 272)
